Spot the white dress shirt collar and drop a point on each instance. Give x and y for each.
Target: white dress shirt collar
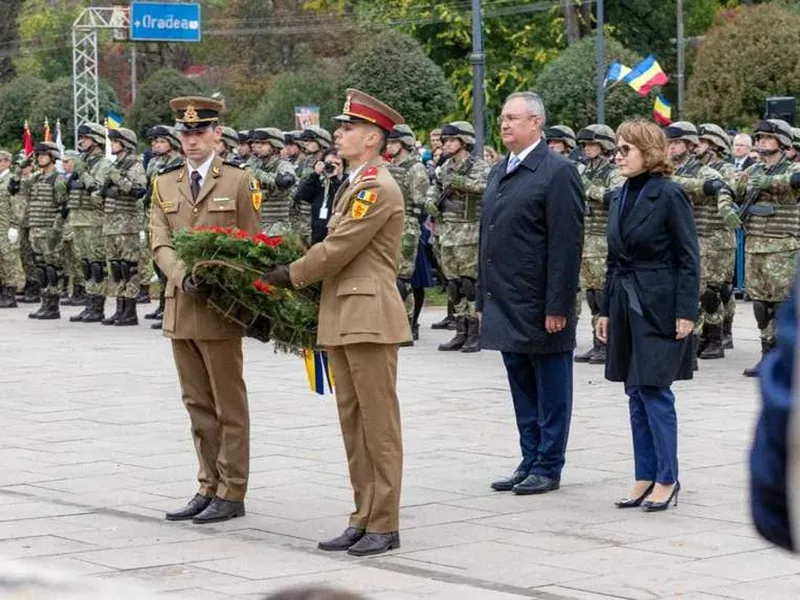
(524, 154)
(202, 169)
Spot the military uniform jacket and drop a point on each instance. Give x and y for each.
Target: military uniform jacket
(225, 200)
(358, 263)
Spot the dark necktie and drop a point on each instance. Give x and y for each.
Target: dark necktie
(195, 185)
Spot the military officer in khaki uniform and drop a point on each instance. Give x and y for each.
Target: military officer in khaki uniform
(362, 320)
(207, 348)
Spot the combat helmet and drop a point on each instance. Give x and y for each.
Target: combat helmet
(126, 137)
(561, 133)
(777, 128)
(716, 135)
(460, 130)
(230, 137)
(271, 135)
(48, 148)
(682, 130)
(403, 133)
(93, 131)
(598, 134)
(317, 134)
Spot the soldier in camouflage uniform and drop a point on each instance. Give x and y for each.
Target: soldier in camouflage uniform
(123, 191)
(291, 148)
(713, 147)
(277, 178)
(767, 192)
(794, 156)
(72, 262)
(12, 277)
(245, 151)
(714, 211)
(411, 175)
(47, 211)
(18, 187)
(600, 177)
(561, 140)
(455, 198)
(166, 148)
(227, 145)
(315, 141)
(86, 217)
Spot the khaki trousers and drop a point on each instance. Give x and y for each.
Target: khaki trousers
(369, 415)
(214, 393)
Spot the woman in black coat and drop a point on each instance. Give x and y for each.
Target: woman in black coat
(650, 304)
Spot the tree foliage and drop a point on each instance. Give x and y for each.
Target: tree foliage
(743, 60)
(152, 103)
(394, 67)
(310, 86)
(55, 102)
(568, 87)
(15, 98)
(9, 36)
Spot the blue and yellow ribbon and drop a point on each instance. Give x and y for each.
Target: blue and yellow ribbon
(318, 370)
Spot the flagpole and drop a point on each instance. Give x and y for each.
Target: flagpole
(601, 65)
(680, 58)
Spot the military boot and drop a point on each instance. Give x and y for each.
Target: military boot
(112, 320)
(8, 297)
(473, 341)
(587, 356)
(78, 298)
(727, 333)
(96, 310)
(448, 321)
(128, 316)
(143, 297)
(159, 311)
(599, 355)
(51, 311)
(39, 311)
(713, 348)
(755, 370)
(32, 293)
(461, 336)
(157, 325)
(415, 331)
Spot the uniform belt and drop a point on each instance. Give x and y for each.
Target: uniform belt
(625, 275)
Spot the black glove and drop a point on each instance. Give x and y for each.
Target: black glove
(279, 277)
(712, 187)
(283, 181)
(198, 289)
(109, 190)
(260, 329)
(63, 209)
(794, 181)
(14, 186)
(74, 182)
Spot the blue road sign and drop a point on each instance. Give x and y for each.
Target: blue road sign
(165, 22)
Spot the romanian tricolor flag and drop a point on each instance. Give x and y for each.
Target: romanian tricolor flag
(616, 72)
(318, 371)
(48, 137)
(645, 75)
(662, 111)
(27, 140)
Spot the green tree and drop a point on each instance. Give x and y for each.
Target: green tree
(16, 98)
(152, 103)
(45, 37)
(9, 37)
(567, 86)
(743, 60)
(311, 86)
(393, 67)
(55, 102)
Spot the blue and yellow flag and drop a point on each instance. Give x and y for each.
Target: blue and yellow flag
(115, 121)
(318, 371)
(645, 75)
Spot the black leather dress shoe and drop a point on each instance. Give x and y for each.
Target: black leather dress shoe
(350, 536)
(219, 510)
(507, 484)
(535, 484)
(195, 506)
(375, 543)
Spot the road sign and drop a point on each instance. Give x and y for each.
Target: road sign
(165, 22)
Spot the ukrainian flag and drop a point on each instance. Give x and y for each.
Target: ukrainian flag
(645, 75)
(114, 121)
(662, 111)
(318, 371)
(616, 72)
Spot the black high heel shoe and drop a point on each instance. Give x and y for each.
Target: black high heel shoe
(628, 502)
(650, 506)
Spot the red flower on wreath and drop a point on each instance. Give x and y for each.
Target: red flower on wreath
(263, 238)
(263, 287)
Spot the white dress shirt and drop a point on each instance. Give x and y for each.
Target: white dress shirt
(202, 169)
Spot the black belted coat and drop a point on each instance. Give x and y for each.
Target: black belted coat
(653, 278)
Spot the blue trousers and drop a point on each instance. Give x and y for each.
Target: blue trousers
(541, 387)
(654, 426)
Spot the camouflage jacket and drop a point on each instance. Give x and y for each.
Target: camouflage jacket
(771, 216)
(599, 176)
(457, 193)
(7, 219)
(46, 197)
(276, 200)
(86, 200)
(123, 191)
(692, 176)
(412, 177)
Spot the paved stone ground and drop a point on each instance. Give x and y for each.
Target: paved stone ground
(96, 446)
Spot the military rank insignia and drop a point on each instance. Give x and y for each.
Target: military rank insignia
(255, 194)
(362, 203)
(370, 174)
